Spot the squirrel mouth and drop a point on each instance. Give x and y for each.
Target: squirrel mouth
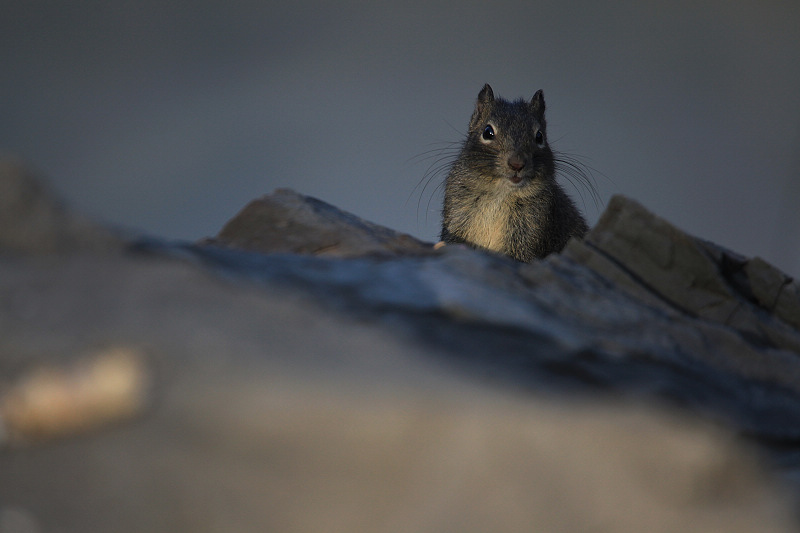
(515, 179)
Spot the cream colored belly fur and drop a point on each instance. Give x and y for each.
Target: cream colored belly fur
(488, 225)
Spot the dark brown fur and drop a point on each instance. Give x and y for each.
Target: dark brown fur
(501, 193)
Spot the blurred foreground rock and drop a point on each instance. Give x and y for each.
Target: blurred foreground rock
(34, 222)
(643, 380)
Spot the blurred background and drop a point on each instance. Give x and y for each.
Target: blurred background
(168, 117)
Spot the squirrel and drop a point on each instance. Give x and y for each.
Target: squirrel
(501, 192)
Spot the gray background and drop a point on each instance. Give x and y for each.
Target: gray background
(167, 117)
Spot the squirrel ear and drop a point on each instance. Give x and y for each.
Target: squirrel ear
(486, 95)
(537, 104)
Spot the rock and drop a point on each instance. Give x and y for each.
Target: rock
(601, 314)
(274, 413)
(54, 402)
(660, 265)
(643, 380)
(32, 221)
(773, 290)
(287, 222)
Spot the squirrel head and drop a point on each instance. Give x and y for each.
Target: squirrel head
(510, 138)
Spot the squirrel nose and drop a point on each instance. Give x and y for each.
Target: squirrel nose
(516, 163)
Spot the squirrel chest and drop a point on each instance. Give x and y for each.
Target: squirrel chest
(491, 221)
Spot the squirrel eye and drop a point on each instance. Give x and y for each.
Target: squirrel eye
(539, 137)
(488, 133)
